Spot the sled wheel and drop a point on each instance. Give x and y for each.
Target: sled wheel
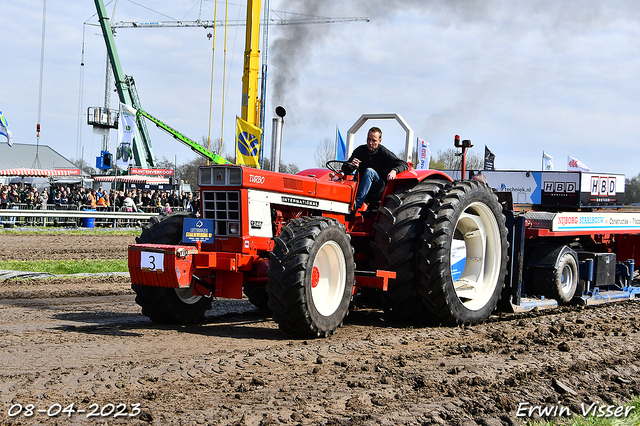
(311, 276)
(464, 255)
(168, 305)
(559, 283)
(395, 243)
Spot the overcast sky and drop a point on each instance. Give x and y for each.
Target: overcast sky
(518, 77)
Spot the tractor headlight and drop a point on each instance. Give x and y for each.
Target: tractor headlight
(235, 176)
(234, 228)
(205, 176)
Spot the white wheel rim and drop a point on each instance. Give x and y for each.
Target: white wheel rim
(328, 278)
(482, 243)
(566, 279)
(187, 296)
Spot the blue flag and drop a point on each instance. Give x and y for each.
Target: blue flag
(4, 129)
(341, 147)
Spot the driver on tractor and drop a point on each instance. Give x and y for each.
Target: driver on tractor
(376, 164)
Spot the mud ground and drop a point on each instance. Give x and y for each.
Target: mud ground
(84, 342)
(60, 246)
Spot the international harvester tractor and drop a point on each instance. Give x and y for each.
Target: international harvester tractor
(433, 249)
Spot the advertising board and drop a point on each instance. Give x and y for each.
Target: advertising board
(558, 188)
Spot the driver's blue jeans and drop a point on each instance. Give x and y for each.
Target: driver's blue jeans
(370, 181)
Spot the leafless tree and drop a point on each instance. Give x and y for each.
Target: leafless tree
(84, 166)
(290, 168)
(188, 172)
(215, 146)
(325, 151)
(450, 160)
(414, 154)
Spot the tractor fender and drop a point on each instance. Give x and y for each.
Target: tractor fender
(413, 176)
(547, 255)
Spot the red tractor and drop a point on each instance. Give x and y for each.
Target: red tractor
(434, 249)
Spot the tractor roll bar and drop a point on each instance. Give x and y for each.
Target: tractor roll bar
(408, 148)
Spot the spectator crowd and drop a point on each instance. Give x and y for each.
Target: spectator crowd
(75, 198)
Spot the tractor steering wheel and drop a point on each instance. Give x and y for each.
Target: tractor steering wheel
(338, 170)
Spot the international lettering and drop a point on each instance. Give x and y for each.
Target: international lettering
(300, 201)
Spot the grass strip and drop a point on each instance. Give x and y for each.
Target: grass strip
(61, 267)
(71, 232)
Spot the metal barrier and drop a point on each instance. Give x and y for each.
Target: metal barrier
(72, 218)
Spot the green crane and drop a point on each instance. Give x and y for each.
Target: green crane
(128, 94)
(195, 147)
(125, 86)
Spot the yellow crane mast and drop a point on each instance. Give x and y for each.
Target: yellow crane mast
(250, 77)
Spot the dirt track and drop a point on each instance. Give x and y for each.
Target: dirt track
(84, 342)
(59, 246)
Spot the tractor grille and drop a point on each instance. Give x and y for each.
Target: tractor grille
(224, 208)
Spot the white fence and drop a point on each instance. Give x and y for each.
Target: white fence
(81, 218)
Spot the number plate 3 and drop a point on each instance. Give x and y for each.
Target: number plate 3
(152, 261)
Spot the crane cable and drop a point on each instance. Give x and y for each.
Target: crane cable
(80, 96)
(36, 161)
(224, 69)
(215, 21)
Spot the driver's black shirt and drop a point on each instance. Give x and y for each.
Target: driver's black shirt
(381, 160)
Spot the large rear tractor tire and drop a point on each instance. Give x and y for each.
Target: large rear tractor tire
(168, 305)
(395, 243)
(311, 277)
(464, 255)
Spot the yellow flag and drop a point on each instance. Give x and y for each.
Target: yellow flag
(248, 139)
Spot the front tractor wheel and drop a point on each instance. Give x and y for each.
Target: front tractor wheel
(165, 305)
(464, 255)
(311, 276)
